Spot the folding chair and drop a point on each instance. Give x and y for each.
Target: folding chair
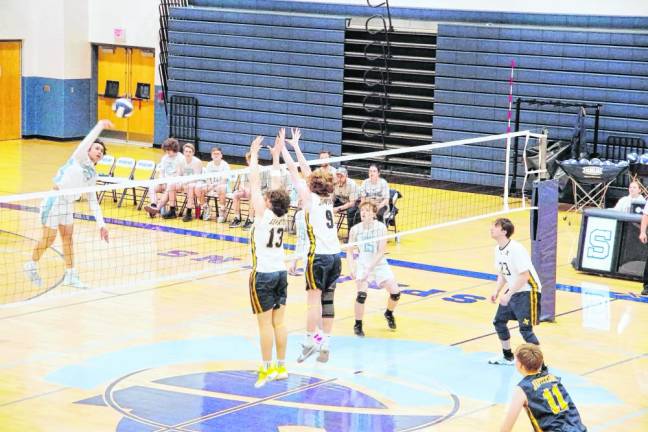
(104, 169)
(144, 170)
(122, 172)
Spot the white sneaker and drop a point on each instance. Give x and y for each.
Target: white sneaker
(206, 212)
(72, 279)
(307, 351)
(220, 219)
(503, 361)
(32, 273)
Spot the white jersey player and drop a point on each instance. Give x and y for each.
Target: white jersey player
(57, 212)
(268, 279)
(371, 264)
(520, 301)
(323, 264)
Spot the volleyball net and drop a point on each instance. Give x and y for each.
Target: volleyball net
(51, 243)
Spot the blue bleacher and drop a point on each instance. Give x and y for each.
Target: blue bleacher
(254, 71)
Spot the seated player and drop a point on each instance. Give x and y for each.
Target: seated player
(371, 265)
(217, 185)
(168, 167)
(542, 395)
(634, 197)
(376, 190)
(347, 195)
(189, 165)
(242, 192)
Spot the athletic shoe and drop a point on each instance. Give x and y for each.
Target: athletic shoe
(220, 219)
(206, 212)
(248, 224)
(236, 223)
(645, 291)
(501, 361)
(324, 354)
(391, 321)
(280, 373)
(32, 273)
(265, 376)
(72, 279)
(357, 329)
(307, 351)
(152, 210)
(187, 216)
(171, 214)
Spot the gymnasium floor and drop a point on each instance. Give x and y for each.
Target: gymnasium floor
(179, 356)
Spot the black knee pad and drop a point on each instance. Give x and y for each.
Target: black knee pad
(328, 310)
(395, 297)
(502, 330)
(361, 297)
(528, 335)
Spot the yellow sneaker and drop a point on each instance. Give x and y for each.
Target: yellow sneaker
(265, 375)
(280, 372)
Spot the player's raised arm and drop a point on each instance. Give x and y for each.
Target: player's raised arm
(255, 178)
(300, 186)
(275, 173)
(294, 143)
(81, 152)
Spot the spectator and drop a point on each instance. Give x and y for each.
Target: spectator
(346, 196)
(375, 190)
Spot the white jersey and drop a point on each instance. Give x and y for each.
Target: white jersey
(79, 171)
(511, 261)
(266, 240)
(190, 168)
(212, 168)
(367, 237)
(169, 165)
(321, 226)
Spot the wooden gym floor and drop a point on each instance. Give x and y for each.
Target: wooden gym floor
(180, 355)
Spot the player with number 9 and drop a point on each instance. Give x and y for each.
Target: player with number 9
(323, 264)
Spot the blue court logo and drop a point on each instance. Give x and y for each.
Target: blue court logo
(226, 400)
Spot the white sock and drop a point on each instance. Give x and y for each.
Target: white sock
(281, 362)
(30, 264)
(309, 339)
(267, 364)
(326, 339)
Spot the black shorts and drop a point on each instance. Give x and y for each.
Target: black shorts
(523, 307)
(268, 290)
(323, 271)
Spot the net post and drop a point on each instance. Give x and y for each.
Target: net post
(544, 240)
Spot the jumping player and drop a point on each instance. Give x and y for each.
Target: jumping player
(57, 212)
(269, 278)
(323, 264)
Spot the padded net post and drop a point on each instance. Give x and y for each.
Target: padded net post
(544, 238)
